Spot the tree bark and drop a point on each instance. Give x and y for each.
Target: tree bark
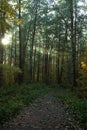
(20, 48)
(73, 44)
(32, 44)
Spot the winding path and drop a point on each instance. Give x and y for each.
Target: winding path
(46, 113)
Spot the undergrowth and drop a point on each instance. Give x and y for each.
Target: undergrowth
(77, 106)
(13, 98)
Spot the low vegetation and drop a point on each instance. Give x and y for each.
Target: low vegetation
(13, 98)
(77, 106)
(9, 74)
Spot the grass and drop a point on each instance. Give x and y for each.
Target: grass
(13, 98)
(77, 106)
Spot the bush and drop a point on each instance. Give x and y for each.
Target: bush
(77, 106)
(13, 98)
(9, 74)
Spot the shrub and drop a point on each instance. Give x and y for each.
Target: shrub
(77, 106)
(9, 74)
(13, 98)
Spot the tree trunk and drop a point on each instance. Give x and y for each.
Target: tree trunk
(46, 67)
(58, 58)
(34, 65)
(20, 48)
(1, 62)
(73, 46)
(38, 67)
(31, 48)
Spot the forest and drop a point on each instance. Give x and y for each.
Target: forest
(43, 48)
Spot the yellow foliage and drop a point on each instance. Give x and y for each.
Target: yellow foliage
(19, 22)
(83, 65)
(82, 79)
(82, 62)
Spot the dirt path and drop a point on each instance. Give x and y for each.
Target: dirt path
(46, 113)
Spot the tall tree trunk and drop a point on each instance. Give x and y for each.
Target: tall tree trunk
(58, 56)
(2, 31)
(11, 53)
(1, 62)
(32, 44)
(63, 54)
(46, 71)
(73, 46)
(20, 47)
(15, 50)
(34, 65)
(76, 40)
(38, 67)
(46, 66)
(1, 52)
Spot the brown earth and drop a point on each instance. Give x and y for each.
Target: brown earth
(45, 113)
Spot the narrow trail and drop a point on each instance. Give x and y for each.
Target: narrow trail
(45, 113)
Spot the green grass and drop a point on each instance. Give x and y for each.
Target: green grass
(77, 106)
(13, 98)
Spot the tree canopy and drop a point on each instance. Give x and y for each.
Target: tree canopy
(48, 41)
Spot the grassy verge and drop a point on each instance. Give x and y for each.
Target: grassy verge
(13, 98)
(77, 106)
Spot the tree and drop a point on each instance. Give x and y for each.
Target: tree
(48, 40)
(5, 9)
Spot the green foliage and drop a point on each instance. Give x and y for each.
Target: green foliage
(82, 79)
(82, 92)
(76, 106)
(13, 98)
(7, 13)
(9, 74)
(82, 71)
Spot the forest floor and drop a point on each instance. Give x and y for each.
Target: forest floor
(45, 113)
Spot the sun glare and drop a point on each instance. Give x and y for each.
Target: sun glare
(6, 40)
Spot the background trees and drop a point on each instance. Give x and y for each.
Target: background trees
(48, 40)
